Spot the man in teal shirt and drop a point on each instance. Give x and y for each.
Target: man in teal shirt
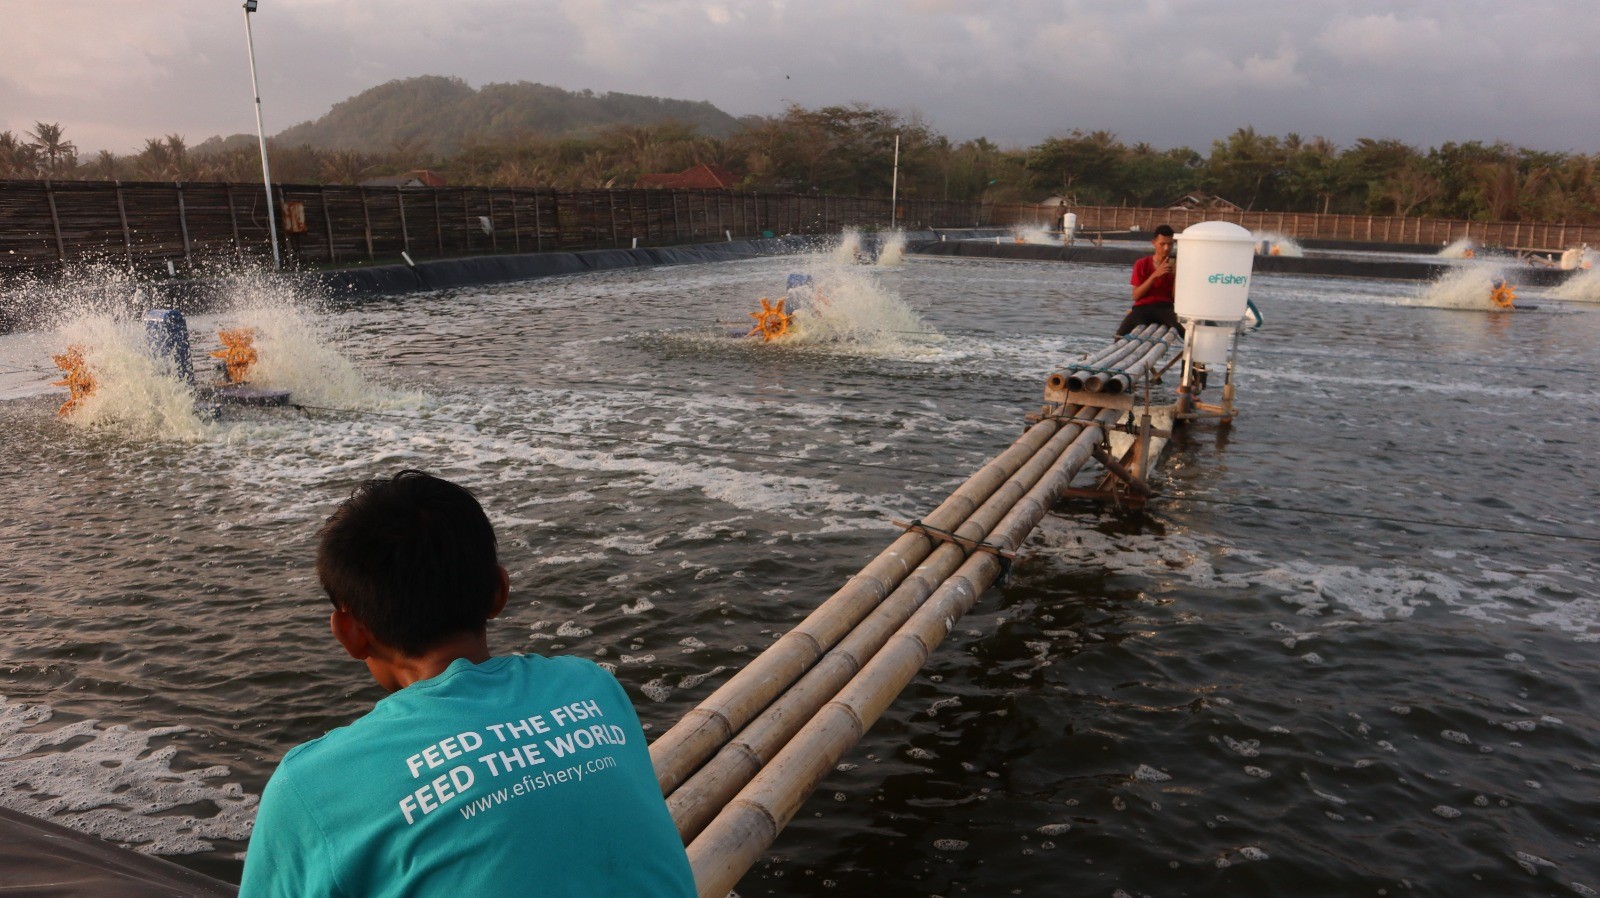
(477, 775)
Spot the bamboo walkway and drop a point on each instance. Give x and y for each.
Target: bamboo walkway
(737, 768)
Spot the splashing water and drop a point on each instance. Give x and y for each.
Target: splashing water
(848, 252)
(1583, 286)
(1463, 248)
(1036, 236)
(1275, 244)
(893, 253)
(850, 307)
(135, 392)
(1469, 288)
(98, 307)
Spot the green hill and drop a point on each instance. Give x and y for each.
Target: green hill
(442, 113)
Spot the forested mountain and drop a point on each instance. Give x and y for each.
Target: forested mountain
(530, 135)
(440, 115)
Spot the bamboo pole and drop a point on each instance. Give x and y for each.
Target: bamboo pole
(1104, 381)
(1083, 377)
(685, 747)
(700, 798)
(1073, 377)
(1141, 366)
(749, 824)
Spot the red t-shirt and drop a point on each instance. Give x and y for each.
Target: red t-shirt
(1161, 290)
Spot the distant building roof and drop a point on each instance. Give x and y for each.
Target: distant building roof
(700, 177)
(1196, 202)
(419, 178)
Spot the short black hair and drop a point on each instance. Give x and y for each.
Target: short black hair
(1163, 230)
(413, 558)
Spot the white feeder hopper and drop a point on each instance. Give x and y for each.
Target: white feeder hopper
(1069, 226)
(1212, 290)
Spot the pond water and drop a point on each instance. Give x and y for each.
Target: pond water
(1347, 651)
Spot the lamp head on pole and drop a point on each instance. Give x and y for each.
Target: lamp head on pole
(249, 5)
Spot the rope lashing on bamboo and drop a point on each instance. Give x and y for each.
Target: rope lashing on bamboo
(746, 826)
(970, 545)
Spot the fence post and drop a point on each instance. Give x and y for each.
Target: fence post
(327, 224)
(438, 219)
(366, 222)
(55, 222)
(127, 237)
(555, 215)
(538, 229)
(494, 238)
(677, 225)
(466, 221)
(516, 224)
(183, 224)
(405, 232)
(611, 206)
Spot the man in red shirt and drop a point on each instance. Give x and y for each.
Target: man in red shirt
(1153, 280)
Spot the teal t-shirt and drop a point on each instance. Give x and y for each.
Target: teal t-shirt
(522, 775)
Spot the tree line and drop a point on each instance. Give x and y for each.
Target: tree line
(849, 150)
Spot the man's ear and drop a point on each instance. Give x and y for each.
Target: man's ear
(502, 592)
(351, 633)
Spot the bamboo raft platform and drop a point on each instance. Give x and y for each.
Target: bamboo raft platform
(739, 766)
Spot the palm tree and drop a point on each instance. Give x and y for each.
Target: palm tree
(345, 166)
(53, 155)
(16, 157)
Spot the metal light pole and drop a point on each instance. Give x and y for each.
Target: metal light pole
(894, 183)
(261, 135)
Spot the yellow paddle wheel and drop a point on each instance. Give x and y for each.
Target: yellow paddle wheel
(772, 321)
(78, 381)
(238, 352)
(1503, 295)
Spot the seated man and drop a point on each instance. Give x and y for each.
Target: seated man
(1154, 277)
(476, 775)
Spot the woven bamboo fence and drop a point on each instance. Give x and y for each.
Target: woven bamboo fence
(1516, 235)
(46, 224)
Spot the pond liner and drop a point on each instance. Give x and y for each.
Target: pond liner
(44, 858)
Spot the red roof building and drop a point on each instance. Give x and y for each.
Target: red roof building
(700, 177)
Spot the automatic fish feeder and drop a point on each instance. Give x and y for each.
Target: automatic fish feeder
(1211, 298)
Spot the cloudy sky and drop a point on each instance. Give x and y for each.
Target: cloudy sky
(1167, 72)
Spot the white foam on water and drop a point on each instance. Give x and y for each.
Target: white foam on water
(134, 392)
(1335, 594)
(116, 782)
(850, 308)
(142, 397)
(848, 250)
(1470, 288)
(1036, 236)
(893, 252)
(1281, 244)
(1582, 286)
